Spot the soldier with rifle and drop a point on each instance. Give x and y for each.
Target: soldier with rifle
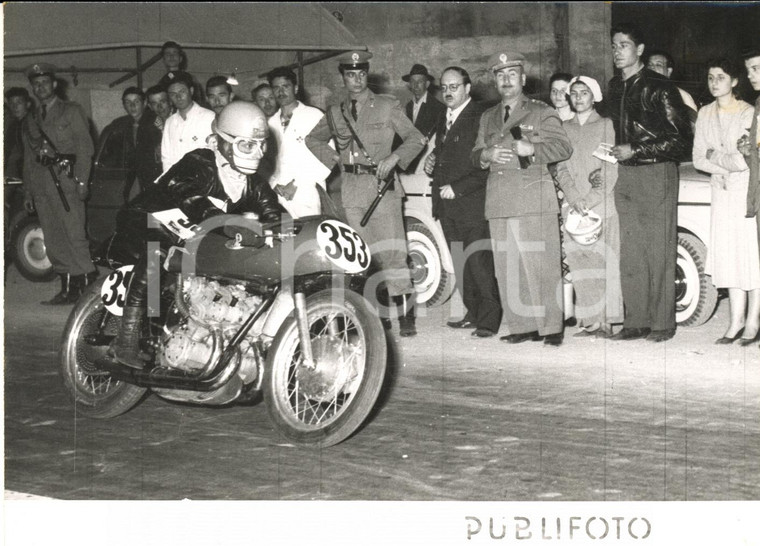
(57, 156)
(364, 126)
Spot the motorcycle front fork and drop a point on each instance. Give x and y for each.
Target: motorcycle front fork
(302, 323)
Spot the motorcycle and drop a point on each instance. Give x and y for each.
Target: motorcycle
(241, 310)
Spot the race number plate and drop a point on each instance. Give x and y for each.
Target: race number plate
(114, 290)
(343, 246)
(176, 222)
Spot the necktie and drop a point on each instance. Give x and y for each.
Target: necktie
(353, 109)
(449, 123)
(44, 110)
(506, 113)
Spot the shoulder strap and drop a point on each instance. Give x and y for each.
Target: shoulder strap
(355, 136)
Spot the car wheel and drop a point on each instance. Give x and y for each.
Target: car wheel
(432, 283)
(29, 252)
(696, 296)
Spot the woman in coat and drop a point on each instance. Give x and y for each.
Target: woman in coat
(587, 182)
(732, 254)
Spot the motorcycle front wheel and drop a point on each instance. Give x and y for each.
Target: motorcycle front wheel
(322, 403)
(85, 340)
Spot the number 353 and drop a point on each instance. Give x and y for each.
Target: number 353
(343, 246)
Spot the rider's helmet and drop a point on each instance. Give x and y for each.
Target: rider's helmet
(585, 228)
(243, 125)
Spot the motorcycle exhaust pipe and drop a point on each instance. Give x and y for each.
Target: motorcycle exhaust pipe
(170, 378)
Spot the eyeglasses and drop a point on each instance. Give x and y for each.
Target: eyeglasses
(243, 145)
(453, 87)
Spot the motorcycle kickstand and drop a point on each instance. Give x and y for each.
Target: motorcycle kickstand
(302, 322)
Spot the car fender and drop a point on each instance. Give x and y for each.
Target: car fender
(418, 205)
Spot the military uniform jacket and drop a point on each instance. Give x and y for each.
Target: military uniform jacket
(66, 126)
(379, 118)
(512, 191)
(453, 167)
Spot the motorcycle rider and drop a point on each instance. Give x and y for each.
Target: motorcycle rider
(224, 174)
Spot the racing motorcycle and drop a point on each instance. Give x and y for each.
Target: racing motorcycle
(242, 310)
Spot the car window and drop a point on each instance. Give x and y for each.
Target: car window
(112, 150)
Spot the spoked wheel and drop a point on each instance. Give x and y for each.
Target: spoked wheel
(324, 402)
(85, 340)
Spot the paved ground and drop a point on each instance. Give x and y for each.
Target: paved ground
(459, 419)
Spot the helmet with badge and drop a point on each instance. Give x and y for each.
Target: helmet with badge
(243, 125)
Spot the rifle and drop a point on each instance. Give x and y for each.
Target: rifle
(49, 157)
(388, 182)
(63, 162)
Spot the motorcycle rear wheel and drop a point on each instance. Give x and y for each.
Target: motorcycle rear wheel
(95, 393)
(325, 405)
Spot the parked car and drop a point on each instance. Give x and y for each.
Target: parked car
(696, 296)
(25, 242)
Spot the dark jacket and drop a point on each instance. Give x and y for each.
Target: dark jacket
(427, 123)
(188, 183)
(148, 150)
(650, 115)
(453, 167)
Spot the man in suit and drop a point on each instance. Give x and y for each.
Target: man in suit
(373, 120)
(59, 127)
(298, 172)
(517, 139)
(424, 110)
(459, 198)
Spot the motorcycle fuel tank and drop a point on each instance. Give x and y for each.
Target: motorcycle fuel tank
(243, 249)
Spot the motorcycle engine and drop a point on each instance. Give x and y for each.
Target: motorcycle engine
(215, 312)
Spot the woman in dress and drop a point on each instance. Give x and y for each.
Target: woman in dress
(732, 255)
(588, 183)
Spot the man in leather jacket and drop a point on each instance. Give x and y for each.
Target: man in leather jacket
(652, 134)
(204, 183)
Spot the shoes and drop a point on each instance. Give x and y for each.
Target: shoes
(69, 292)
(571, 322)
(631, 333)
(605, 332)
(729, 340)
(657, 336)
(483, 332)
(386, 322)
(519, 338)
(555, 340)
(464, 323)
(586, 333)
(746, 342)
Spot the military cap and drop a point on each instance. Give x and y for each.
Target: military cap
(505, 59)
(417, 70)
(354, 60)
(39, 69)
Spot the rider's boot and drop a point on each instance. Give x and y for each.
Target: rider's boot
(406, 315)
(126, 347)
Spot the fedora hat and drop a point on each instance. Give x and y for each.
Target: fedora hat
(417, 70)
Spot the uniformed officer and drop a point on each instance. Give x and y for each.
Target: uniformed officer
(364, 126)
(516, 140)
(59, 127)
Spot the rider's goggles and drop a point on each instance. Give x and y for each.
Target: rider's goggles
(244, 146)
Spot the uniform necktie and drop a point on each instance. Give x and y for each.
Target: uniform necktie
(506, 113)
(44, 110)
(353, 109)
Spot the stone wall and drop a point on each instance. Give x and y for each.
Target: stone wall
(466, 34)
